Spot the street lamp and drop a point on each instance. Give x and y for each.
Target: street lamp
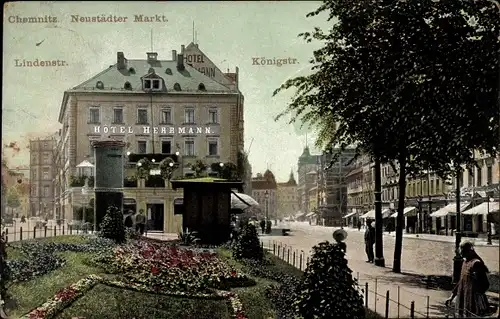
(85, 193)
(488, 221)
(267, 206)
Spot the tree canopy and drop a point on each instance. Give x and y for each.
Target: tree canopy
(404, 79)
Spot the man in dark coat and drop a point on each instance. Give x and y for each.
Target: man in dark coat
(369, 241)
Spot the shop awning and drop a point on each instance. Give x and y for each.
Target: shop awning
(310, 214)
(406, 211)
(350, 215)
(450, 209)
(483, 209)
(370, 214)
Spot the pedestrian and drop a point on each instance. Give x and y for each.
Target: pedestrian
(140, 222)
(129, 223)
(234, 229)
(472, 285)
(263, 225)
(359, 225)
(369, 241)
(339, 236)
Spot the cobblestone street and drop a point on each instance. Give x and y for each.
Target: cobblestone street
(420, 258)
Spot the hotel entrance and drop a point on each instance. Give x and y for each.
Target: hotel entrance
(155, 215)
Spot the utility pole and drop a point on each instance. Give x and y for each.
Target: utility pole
(379, 245)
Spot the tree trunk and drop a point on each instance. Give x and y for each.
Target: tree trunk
(398, 246)
(379, 235)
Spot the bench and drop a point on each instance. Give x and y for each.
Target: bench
(285, 231)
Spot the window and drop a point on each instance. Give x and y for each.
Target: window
(94, 115)
(46, 158)
(432, 187)
(166, 116)
(152, 84)
(166, 147)
(470, 181)
(489, 174)
(438, 185)
(45, 173)
(213, 116)
(46, 191)
(142, 116)
(213, 147)
(189, 147)
(118, 115)
(479, 176)
(141, 147)
(34, 174)
(34, 158)
(91, 148)
(189, 116)
(33, 191)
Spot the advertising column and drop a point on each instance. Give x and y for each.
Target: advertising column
(108, 185)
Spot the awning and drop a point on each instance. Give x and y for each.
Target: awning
(450, 209)
(85, 164)
(349, 215)
(242, 201)
(483, 209)
(407, 210)
(370, 214)
(310, 214)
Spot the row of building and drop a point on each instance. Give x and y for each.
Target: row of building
(182, 105)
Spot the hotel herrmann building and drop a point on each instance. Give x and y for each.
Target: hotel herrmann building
(184, 104)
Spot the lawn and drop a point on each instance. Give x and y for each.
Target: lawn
(141, 279)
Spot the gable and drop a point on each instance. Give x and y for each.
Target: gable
(198, 60)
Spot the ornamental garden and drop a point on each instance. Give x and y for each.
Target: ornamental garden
(120, 274)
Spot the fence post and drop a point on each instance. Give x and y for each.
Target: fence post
(7, 235)
(307, 261)
(70, 229)
(288, 255)
(412, 310)
(387, 300)
(34, 232)
(63, 229)
(55, 234)
(428, 305)
(279, 250)
(283, 252)
(293, 263)
(366, 294)
(300, 259)
(398, 301)
(45, 231)
(376, 294)
(274, 248)
(20, 234)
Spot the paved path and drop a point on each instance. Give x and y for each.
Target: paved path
(420, 258)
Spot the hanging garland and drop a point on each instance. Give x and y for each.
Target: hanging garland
(143, 168)
(167, 167)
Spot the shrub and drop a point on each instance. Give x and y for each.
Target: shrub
(131, 234)
(328, 289)
(112, 225)
(188, 238)
(248, 245)
(268, 226)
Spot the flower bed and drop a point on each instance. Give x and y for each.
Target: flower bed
(41, 258)
(68, 295)
(173, 268)
(63, 298)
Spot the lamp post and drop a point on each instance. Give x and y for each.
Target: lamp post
(457, 260)
(267, 207)
(182, 162)
(221, 165)
(488, 221)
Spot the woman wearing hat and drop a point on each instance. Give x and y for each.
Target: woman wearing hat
(339, 236)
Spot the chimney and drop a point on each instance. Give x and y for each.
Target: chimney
(182, 49)
(121, 62)
(174, 55)
(180, 62)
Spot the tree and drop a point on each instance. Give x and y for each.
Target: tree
(199, 168)
(405, 81)
(13, 200)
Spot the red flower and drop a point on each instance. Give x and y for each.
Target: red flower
(233, 273)
(155, 270)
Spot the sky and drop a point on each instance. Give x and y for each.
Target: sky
(229, 33)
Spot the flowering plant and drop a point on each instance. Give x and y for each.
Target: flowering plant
(63, 298)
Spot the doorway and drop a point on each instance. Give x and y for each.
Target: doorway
(155, 217)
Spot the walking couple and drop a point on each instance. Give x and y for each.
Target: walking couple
(136, 219)
(370, 240)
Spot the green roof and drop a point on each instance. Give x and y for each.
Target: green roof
(113, 80)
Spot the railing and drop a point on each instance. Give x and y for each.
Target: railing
(373, 297)
(44, 232)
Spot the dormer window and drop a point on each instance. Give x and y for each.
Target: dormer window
(152, 84)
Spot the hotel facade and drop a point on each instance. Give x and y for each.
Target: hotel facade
(156, 106)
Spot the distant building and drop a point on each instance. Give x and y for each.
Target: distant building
(288, 204)
(264, 191)
(42, 173)
(307, 163)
